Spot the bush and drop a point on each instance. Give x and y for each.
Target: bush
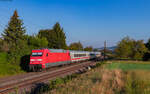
(7, 68)
(3, 57)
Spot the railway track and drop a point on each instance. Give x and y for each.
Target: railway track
(42, 77)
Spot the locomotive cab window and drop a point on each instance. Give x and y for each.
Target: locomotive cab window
(47, 54)
(37, 54)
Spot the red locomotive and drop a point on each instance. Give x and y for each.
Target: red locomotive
(44, 58)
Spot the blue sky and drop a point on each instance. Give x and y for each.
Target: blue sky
(89, 21)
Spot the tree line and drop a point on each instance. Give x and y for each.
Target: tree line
(16, 43)
(129, 48)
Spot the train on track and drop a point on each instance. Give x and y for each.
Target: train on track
(45, 58)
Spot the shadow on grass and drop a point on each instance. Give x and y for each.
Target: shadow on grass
(39, 88)
(24, 63)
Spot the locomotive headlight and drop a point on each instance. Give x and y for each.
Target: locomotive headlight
(32, 59)
(39, 59)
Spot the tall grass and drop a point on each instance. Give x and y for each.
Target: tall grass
(93, 82)
(136, 85)
(137, 75)
(134, 79)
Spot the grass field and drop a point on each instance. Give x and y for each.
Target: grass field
(113, 77)
(129, 65)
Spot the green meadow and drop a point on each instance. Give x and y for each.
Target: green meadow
(129, 65)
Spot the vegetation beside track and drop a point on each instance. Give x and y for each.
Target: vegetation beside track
(114, 77)
(7, 69)
(58, 82)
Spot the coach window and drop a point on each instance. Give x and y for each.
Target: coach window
(47, 54)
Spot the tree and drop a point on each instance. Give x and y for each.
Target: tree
(124, 48)
(95, 49)
(130, 49)
(14, 38)
(35, 42)
(147, 54)
(55, 36)
(15, 31)
(88, 48)
(49, 35)
(60, 37)
(139, 49)
(76, 46)
(148, 44)
(4, 46)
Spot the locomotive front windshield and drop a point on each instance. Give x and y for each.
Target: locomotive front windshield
(37, 54)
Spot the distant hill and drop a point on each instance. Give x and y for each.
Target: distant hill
(109, 48)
